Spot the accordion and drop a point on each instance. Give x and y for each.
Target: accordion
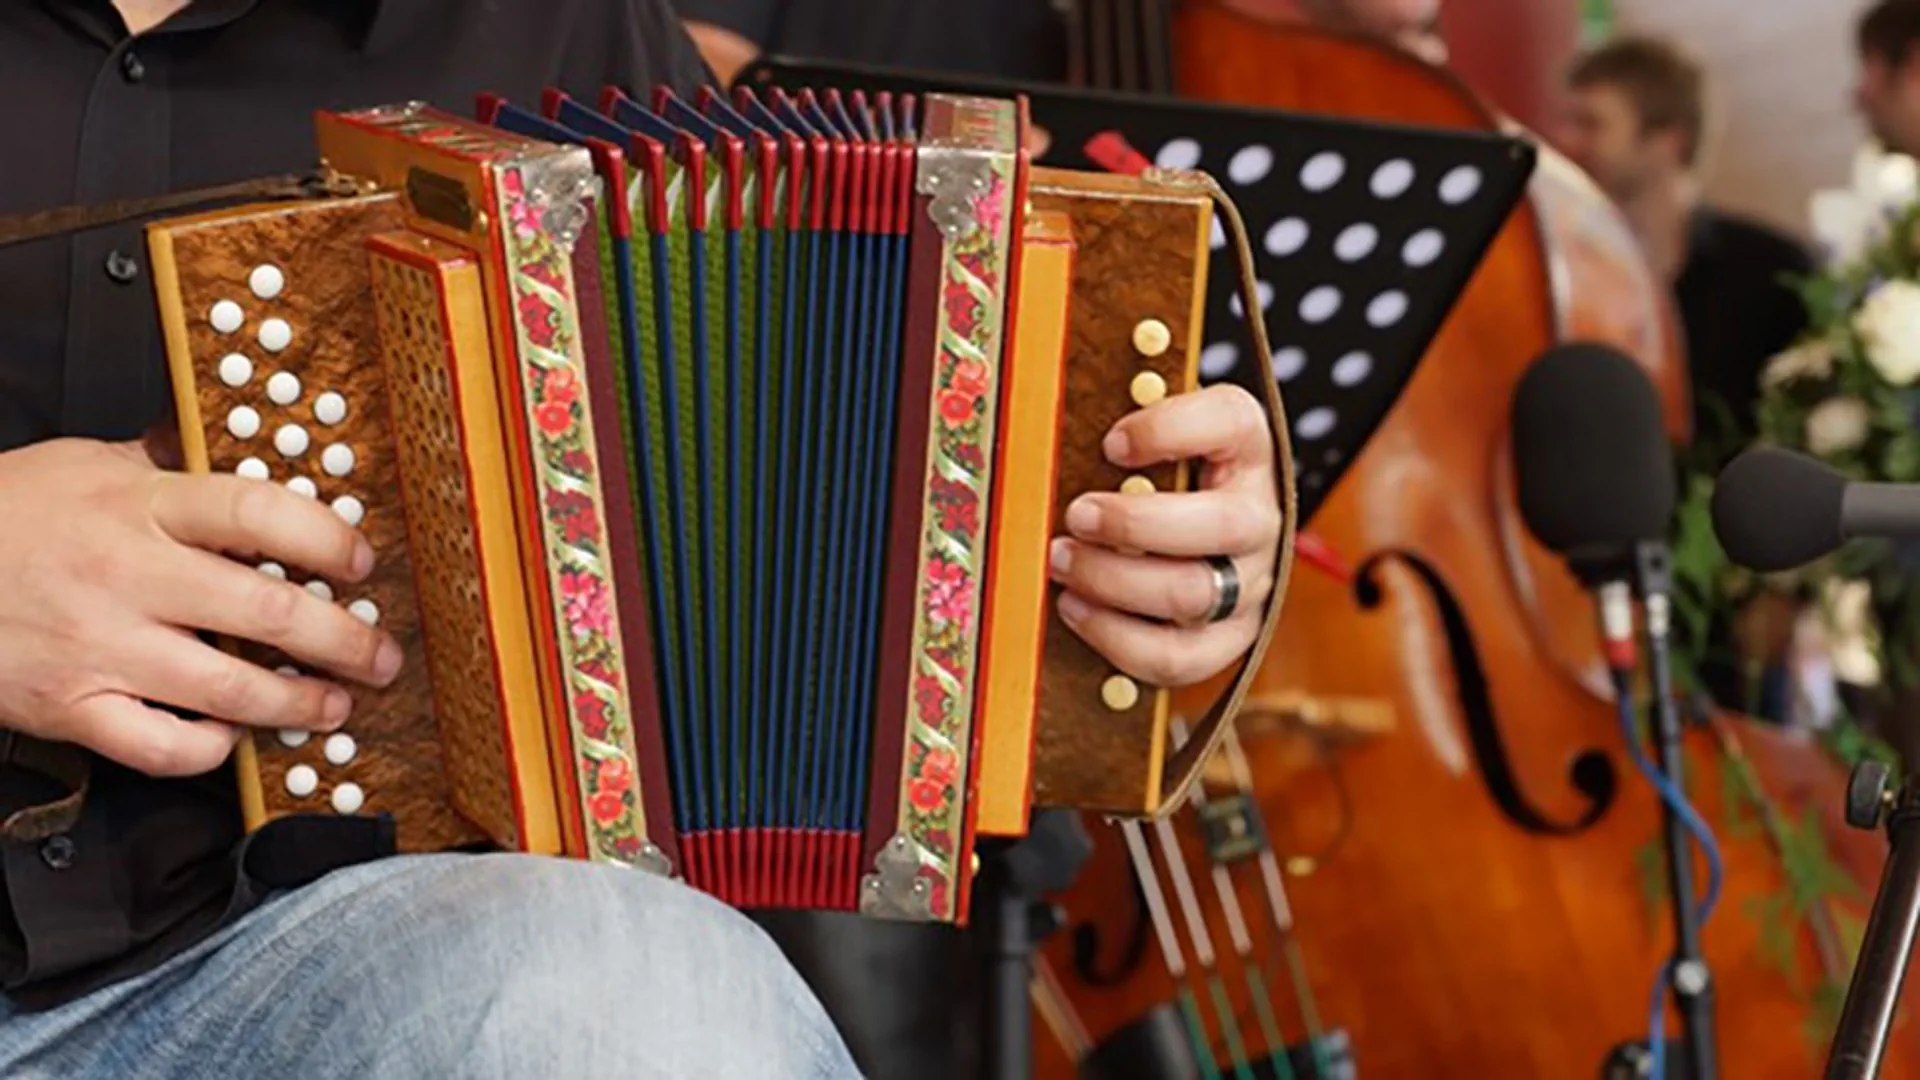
(710, 451)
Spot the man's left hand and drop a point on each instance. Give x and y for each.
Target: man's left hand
(1137, 583)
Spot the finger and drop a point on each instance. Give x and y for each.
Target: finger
(1155, 653)
(256, 517)
(1221, 424)
(206, 592)
(1183, 524)
(179, 669)
(1176, 590)
(150, 740)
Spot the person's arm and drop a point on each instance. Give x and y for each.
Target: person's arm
(730, 34)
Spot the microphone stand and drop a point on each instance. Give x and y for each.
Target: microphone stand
(1874, 993)
(1014, 878)
(1692, 983)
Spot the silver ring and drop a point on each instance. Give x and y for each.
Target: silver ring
(1226, 588)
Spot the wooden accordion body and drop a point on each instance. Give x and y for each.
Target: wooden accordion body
(710, 455)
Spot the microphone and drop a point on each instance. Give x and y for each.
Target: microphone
(1775, 509)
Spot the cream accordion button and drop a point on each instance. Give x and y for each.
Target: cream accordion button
(348, 798)
(226, 317)
(235, 370)
(1151, 337)
(283, 388)
(1136, 485)
(302, 781)
(266, 282)
(1120, 693)
(1147, 388)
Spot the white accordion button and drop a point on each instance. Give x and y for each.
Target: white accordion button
(349, 509)
(337, 459)
(235, 369)
(253, 469)
(321, 589)
(1151, 337)
(300, 485)
(227, 317)
(348, 799)
(330, 408)
(366, 611)
(243, 422)
(302, 781)
(292, 738)
(266, 282)
(340, 748)
(283, 388)
(275, 570)
(291, 440)
(275, 335)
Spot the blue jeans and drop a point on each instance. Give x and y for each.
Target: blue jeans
(454, 967)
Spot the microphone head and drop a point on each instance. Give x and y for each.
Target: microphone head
(1592, 464)
(1774, 509)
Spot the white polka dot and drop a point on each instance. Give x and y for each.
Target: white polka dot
(300, 485)
(266, 281)
(348, 799)
(302, 781)
(321, 589)
(1218, 359)
(349, 509)
(235, 369)
(1459, 185)
(291, 440)
(1250, 165)
(227, 317)
(1392, 179)
(1288, 362)
(1385, 310)
(337, 459)
(243, 422)
(1350, 369)
(1356, 242)
(294, 738)
(1423, 247)
(275, 335)
(340, 748)
(1322, 171)
(1287, 236)
(330, 408)
(274, 570)
(253, 469)
(1314, 423)
(1178, 154)
(283, 388)
(366, 611)
(1321, 303)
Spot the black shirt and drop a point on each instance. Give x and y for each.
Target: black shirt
(1012, 39)
(1737, 313)
(223, 91)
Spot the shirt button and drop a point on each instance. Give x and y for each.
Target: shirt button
(58, 852)
(132, 66)
(122, 268)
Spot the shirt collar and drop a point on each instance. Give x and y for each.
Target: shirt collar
(383, 20)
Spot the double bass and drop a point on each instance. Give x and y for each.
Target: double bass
(1473, 888)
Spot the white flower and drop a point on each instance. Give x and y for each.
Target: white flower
(1807, 360)
(1837, 424)
(1889, 325)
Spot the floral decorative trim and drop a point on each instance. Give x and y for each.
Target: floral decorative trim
(566, 474)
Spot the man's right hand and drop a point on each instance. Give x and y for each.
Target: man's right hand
(108, 567)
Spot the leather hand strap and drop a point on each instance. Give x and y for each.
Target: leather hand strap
(40, 224)
(1185, 766)
(62, 762)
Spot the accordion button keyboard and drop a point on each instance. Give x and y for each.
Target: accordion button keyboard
(274, 570)
(300, 485)
(226, 317)
(275, 335)
(283, 388)
(291, 440)
(366, 611)
(350, 509)
(1148, 387)
(243, 421)
(253, 469)
(1120, 693)
(348, 798)
(330, 408)
(235, 370)
(321, 589)
(302, 781)
(1151, 337)
(337, 459)
(1136, 485)
(340, 748)
(266, 282)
